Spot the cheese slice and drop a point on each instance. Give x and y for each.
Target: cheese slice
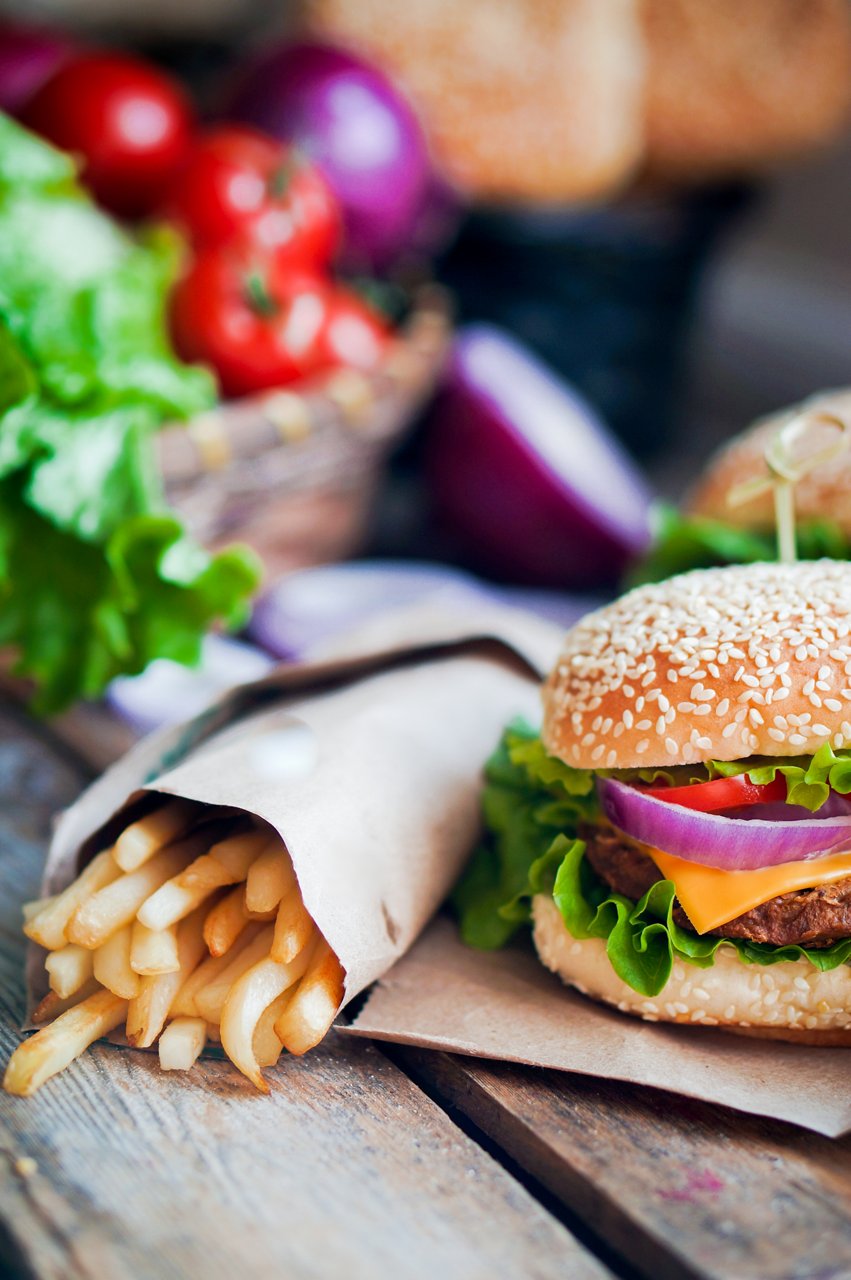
(710, 897)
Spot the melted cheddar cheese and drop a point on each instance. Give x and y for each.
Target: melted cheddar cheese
(710, 897)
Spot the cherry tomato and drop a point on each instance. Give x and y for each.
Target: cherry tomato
(353, 334)
(256, 332)
(722, 793)
(237, 182)
(130, 124)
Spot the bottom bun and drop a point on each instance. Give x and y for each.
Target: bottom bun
(791, 1000)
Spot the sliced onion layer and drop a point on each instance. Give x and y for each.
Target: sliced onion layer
(733, 844)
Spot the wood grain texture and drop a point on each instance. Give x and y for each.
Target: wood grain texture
(681, 1189)
(346, 1169)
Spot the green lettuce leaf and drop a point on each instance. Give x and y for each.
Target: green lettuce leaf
(643, 939)
(112, 608)
(683, 542)
(532, 807)
(97, 578)
(809, 779)
(27, 161)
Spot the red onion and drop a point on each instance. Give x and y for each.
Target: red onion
(525, 475)
(360, 131)
(28, 57)
(733, 844)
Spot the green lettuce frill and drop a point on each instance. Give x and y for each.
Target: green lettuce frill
(532, 806)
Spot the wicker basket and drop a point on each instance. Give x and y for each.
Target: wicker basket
(294, 472)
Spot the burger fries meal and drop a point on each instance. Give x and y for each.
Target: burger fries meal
(679, 834)
(190, 928)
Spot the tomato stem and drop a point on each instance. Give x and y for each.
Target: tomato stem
(258, 296)
(282, 177)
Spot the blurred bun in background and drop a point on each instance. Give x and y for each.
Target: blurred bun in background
(522, 102)
(554, 101)
(734, 85)
(822, 494)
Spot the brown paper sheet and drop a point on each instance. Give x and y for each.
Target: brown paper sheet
(368, 767)
(505, 1005)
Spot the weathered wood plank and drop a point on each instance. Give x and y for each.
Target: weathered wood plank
(682, 1189)
(346, 1169)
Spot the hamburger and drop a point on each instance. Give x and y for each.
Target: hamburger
(679, 832)
(708, 530)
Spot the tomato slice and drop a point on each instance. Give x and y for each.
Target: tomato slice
(721, 793)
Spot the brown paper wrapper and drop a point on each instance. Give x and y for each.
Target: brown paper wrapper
(504, 1004)
(367, 766)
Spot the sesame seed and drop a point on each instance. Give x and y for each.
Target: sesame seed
(736, 637)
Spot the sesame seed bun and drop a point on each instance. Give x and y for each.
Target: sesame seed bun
(823, 494)
(716, 664)
(791, 1000)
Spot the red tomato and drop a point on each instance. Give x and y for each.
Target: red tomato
(353, 334)
(238, 182)
(130, 124)
(255, 332)
(722, 793)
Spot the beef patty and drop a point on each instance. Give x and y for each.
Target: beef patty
(810, 917)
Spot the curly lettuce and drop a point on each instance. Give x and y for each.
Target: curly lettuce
(533, 805)
(97, 577)
(683, 542)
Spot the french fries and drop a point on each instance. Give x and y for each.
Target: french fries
(53, 1048)
(269, 877)
(153, 951)
(226, 921)
(314, 1004)
(248, 996)
(293, 928)
(112, 966)
(48, 926)
(184, 939)
(210, 1000)
(147, 1013)
(68, 969)
(109, 909)
(181, 1044)
(141, 840)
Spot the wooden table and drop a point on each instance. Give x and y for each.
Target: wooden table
(367, 1162)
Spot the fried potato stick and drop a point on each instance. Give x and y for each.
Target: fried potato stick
(53, 1048)
(49, 925)
(109, 909)
(112, 964)
(250, 994)
(147, 1013)
(68, 969)
(181, 1043)
(308, 1015)
(142, 839)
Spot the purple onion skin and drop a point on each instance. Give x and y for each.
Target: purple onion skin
(28, 58)
(717, 840)
(360, 132)
(503, 504)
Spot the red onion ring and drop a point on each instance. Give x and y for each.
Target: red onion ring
(732, 844)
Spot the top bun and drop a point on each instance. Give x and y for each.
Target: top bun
(716, 664)
(825, 493)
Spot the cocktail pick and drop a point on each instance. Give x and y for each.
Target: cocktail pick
(785, 470)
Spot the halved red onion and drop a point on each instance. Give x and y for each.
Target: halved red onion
(524, 474)
(733, 844)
